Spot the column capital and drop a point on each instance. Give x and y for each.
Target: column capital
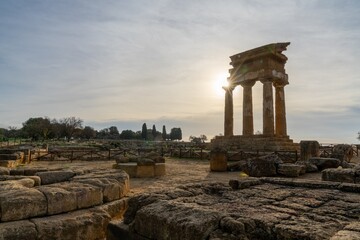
(248, 83)
(228, 88)
(266, 80)
(280, 83)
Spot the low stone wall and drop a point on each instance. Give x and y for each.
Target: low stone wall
(12, 157)
(265, 208)
(142, 171)
(61, 204)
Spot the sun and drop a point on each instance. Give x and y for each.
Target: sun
(220, 80)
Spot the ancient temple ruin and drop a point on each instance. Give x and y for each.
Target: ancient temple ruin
(265, 64)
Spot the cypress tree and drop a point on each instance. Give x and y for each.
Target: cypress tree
(144, 131)
(164, 135)
(154, 131)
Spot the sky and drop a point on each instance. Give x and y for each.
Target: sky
(122, 63)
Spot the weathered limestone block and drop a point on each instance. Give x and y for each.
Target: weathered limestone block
(50, 177)
(33, 171)
(309, 149)
(4, 171)
(58, 200)
(86, 195)
(24, 230)
(346, 235)
(16, 184)
(237, 166)
(162, 220)
(36, 179)
(110, 187)
(159, 169)
(144, 171)
(156, 157)
(323, 163)
(22, 203)
(218, 162)
(263, 166)
(338, 175)
(81, 225)
(344, 152)
(118, 230)
(115, 209)
(121, 176)
(290, 170)
(129, 168)
(16, 172)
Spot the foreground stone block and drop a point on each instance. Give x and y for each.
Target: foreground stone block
(129, 168)
(4, 171)
(24, 230)
(22, 203)
(55, 176)
(59, 200)
(323, 163)
(290, 170)
(145, 171)
(159, 169)
(261, 167)
(83, 225)
(158, 221)
(218, 162)
(309, 149)
(111, 188)
(338, 175)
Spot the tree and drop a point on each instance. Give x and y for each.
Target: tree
(70, 126)
(154, 133)
(88, 133)
(144, 131)
(358, 136)
(113, 132)
(128, 134)
(164, 135)
(37, 128)
(203, 138)
(175, 134)
(198, 140)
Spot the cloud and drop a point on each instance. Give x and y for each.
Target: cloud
(129, 61)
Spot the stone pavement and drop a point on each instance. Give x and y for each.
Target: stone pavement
(254, 208)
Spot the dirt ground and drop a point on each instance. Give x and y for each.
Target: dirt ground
(178, 172)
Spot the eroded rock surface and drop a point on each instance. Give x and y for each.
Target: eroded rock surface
(267, 208)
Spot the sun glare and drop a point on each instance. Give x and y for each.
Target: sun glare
(219, 82)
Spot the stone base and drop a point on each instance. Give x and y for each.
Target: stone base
(257, 143)
(142, 171)
(218, 162)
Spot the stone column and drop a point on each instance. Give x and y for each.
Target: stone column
(229, 112)
(268, 107)
(280, 112)
(248, 121)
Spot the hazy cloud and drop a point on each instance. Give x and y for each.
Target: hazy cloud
(125, 62)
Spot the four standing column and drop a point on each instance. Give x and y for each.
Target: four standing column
(268, 109)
